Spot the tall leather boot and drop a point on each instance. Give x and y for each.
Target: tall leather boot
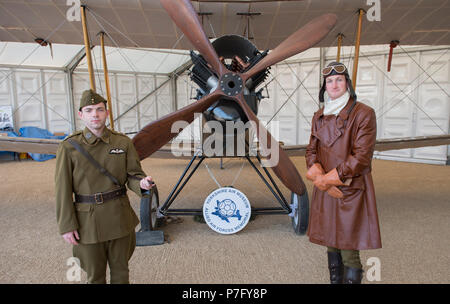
(336, 267)
(352, 275)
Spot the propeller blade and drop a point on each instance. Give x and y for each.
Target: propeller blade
(157, 133)
(301, 40)
(185, 17)
(284, 168)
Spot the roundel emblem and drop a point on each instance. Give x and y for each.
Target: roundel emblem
(226, 210)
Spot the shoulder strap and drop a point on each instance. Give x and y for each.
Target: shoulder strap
(93, 161)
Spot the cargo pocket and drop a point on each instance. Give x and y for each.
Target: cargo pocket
(82, 207)
(131, 220)
(350, 194)
(86, 223)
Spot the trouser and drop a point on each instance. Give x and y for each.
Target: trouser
(116, 253)
(350, 258)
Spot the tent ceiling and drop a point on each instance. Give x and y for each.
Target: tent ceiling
(145, 24)
(29, 55)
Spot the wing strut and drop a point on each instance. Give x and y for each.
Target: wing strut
(338, 56)
(358, 41)
(87, 47)
(105, 71)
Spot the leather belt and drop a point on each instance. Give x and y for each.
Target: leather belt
(101, 197)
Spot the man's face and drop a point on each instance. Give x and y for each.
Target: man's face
(336, 86)
(94, 116)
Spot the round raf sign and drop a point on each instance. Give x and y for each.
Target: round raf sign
(226, 210)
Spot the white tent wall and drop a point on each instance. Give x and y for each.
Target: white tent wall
(186, 91)
(126, 90)
(435, 104)
(6, 88)
(408, 102)
(147, 109)
(41, 97)
(38, 98)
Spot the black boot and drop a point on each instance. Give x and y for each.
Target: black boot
(352, 275)
(336, 267)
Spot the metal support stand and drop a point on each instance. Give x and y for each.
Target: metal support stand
(148, 235)
(164, 210)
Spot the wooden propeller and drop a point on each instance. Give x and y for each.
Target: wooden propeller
(157, 133)
(231, 85)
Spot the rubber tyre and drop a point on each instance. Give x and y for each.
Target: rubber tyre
(148, 211)
(301, 213)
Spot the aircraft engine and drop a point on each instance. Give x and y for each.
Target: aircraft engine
(238, 54)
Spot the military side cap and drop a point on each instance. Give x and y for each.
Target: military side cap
(90, 98)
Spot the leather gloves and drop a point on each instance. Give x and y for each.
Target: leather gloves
(314, 171)
(327, 182)
(323, 182)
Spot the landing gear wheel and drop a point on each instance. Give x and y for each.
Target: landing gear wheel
(300, 209)
(148, 211)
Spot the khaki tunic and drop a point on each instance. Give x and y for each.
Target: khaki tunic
(75, 174)
(345, 142)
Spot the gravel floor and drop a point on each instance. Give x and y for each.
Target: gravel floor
(413, 204)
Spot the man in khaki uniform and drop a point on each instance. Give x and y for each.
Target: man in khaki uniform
(98, 220)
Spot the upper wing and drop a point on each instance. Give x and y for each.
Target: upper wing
(145, 23)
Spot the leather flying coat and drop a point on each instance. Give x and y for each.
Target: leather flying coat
(346, 142)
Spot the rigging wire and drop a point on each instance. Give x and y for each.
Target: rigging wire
(212, 28)
(234, 179)
(354, 40)
(96, 73)
(4, 48)
(212, 176)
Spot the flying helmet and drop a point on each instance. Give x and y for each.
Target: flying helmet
(336, 68)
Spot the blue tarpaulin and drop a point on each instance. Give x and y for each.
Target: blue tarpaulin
(34, 132)
(7, 153)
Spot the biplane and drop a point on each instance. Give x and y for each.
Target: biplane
(230, 70)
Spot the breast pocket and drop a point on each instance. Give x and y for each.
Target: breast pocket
(117, 163)
(328, 134)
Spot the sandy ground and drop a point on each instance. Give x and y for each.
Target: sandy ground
(413, 204)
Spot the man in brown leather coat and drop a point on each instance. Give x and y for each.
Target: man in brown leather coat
(343, 213)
